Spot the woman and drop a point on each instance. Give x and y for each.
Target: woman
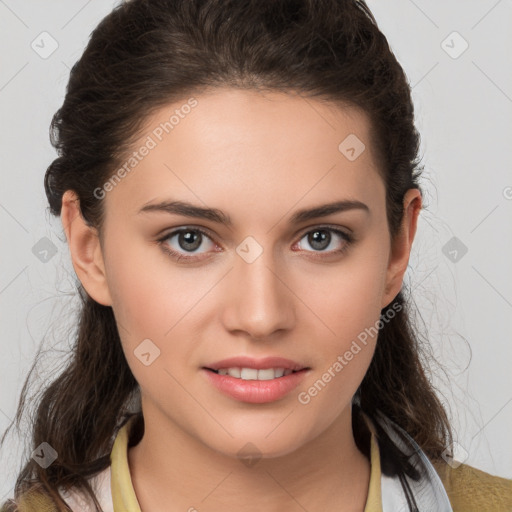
(238, 185)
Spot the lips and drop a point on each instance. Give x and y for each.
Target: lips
(255, 380)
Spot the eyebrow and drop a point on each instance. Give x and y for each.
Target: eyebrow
(190, 210)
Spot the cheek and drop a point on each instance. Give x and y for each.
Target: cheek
(145, 292)
(154, 300)
(348, 304)
(148, 303)
(345, 298)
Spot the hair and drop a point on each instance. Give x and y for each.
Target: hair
(146, 54)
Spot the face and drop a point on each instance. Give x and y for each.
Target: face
(191, 291)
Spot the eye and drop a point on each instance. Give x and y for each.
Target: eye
(187, 240)
(321, 239)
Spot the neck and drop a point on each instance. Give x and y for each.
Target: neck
(168, 466)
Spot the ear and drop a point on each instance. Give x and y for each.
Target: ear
(85, 249)
(401, 246)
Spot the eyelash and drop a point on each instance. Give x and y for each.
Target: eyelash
(349, 239)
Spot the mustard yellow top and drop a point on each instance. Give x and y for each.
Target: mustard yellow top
(468, 488)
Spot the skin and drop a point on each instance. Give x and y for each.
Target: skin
(259, 158)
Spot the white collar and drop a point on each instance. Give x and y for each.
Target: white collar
(428, 492)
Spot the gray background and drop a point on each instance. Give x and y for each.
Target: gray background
(463, 101)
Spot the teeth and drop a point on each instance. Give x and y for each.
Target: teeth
(254, 374)
(267, 374)
(249, 374)
(234, 372)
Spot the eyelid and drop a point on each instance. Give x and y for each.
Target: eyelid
(165, 233)
(334, 227)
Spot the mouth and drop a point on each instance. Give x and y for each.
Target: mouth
(246, 368)
(244, 373)
(255, 381)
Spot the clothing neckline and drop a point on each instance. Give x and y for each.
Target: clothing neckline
(125, 499)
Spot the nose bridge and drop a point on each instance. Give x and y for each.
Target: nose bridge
(260, 302)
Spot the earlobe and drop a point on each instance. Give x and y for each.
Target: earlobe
(85, 249)
(401, 246)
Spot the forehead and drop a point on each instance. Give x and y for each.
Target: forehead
(232, 147)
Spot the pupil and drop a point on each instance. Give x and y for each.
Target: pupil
(317, 239)
(190, 238)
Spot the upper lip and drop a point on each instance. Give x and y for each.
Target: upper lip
(259, 364)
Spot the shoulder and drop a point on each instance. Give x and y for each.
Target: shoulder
(100, 484)
(38, 501)
(470, 489)
(31, 501)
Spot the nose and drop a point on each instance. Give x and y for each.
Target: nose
(260, 300)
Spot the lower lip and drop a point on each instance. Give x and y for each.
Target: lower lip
(255, 391)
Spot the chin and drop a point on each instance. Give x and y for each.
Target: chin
(261, 443)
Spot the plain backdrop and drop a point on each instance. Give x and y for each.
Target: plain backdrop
(457, 59)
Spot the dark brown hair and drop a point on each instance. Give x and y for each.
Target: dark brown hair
(148, 53)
